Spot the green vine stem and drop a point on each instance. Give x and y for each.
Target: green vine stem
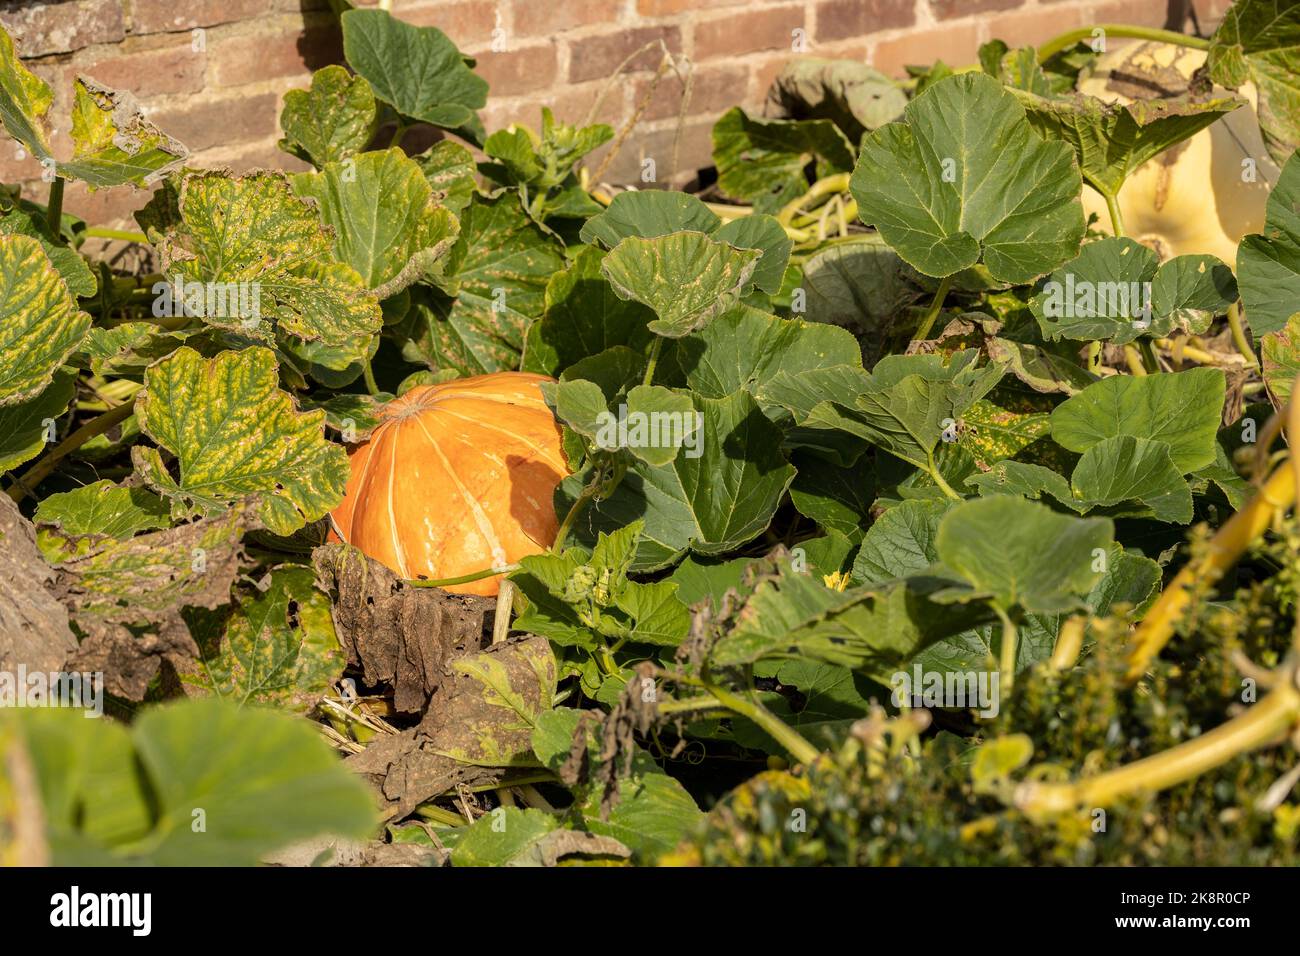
(655, 348)
(1007, 652)
(1116, 217)
(33, 476)
(579, 505)
(369, 373)
(1239, 335)
(828, 186)
(1071, 37)
(927, 323)
(461, 579)
(789, 738)
(933, 470)
(98, 232)
(54, 211)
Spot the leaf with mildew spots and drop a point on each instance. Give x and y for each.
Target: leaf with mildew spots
(24, 428)
(686, 277)
(24, 101)
(333, 120)
(113, 144)
(41, 324)
(261, 264)
(486, 717)
(277, 647)
(27, 219)
(387, 224)
(234, 433)
(150, 577)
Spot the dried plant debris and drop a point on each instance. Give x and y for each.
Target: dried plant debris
(34, 629)
(398, 634)
(479, 722)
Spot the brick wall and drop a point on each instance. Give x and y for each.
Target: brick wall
(213, 73)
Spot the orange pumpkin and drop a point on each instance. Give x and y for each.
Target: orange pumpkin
(457, 478)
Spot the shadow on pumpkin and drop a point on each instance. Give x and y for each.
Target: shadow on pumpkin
(532, 484)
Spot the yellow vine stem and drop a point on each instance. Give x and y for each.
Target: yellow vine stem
(1267, 722)
(1222, 552)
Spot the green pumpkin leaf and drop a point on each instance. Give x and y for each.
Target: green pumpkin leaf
(904, 405)
(278, 646)
(113, 144)
(768, 236)
(762, 162)
(497, 272)
(416, 70)
(450, 169)
(22, 219)
(1111, 140)
(1268, 265)
(1259, 41)
(708, 504)
(1021, 554)
(42, 324)
(1103, 293)
(387, 223)
(860, 286)
(234, 434)
(685, 277)
(746, 348)
(266, 250)
(1180, 408)
(839, 499)
(1125, 468)
(1189, 291)
(963, 179)
(583, 317)
(332, 121)
(24, 427)
(104, 509)
(118, 796)
(850, 94)
(901, 542)
(649, 214)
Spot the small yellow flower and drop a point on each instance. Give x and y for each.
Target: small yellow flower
(837, 581)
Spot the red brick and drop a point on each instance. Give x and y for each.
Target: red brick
(599, 56)
(518, 70)
(234, 119)
(170, 16)
(467, 23)
(1033, 26)
(267, 156)
(715, 89)
(950, 9)
(668, 8)
(736, 35)
(695, 153)
(102, 207)
(531, 18)
(847, 19)
(956, 44)
(570, 104)
(175, 68)
(41, 29)
(1135, 12)
(12, 168)
(249, 57)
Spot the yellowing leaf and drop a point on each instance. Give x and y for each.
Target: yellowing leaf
(112, 142)
(40, 324)
(265, 250)
(234, 433)
(333, 120)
